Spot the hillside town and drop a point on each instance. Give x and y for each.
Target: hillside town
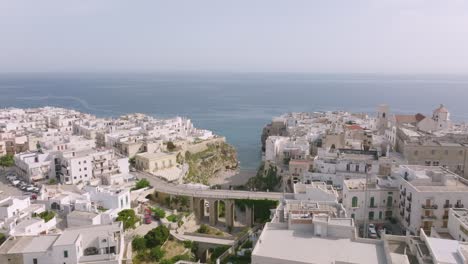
(333, 187)
(387, 188)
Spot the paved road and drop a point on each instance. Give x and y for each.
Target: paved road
(171, 188)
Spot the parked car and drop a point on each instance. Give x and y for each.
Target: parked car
(372, 233)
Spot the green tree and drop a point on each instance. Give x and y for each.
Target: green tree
(158, 212)
(156, 254)
(47, 215)
(132, 161)
(52, 181)
(138, 243)
(2, 238)
(128, 217)
(157, 236)
(140, 184)
(7, 161)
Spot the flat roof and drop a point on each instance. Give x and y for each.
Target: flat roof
(444, 250)
(305, 247)
(28, 244)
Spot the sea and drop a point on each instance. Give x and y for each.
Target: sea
(235, 105)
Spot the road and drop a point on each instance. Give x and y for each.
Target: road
(163, 186)
(201, 239)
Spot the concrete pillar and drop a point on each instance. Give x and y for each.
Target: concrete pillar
(229, 212)
(198, 208)
(249, 216)
(213, 212)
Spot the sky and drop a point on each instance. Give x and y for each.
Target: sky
(317, 36)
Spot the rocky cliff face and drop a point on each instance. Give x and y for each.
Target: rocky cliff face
(206, 164)
(273, 129)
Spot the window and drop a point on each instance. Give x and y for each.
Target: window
(371, 215)
(34, 261)
(428, 163)
(65, 253)
(354, 202)
(380, 215)
(435, 163)
(348, 167)
(433, 152)
(357, 168)
(352, 216)
(372, 202)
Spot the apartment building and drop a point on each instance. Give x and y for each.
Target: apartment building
(426, 195)
(80, 245)
(382, 196)
(34, 166)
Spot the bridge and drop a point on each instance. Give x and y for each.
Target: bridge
(203, 200)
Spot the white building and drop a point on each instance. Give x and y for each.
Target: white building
(314, 232)
(426, 195)
(88, 244)
(34, 166)
(382, 199)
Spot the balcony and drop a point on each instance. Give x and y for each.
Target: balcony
(428, 217)
(409, 198)
(447, 205)
(403, 192)
(408, 218)
(372, 206)
(408, 209)
(429, 207)
(458, 205)
(445, 217)
(402, 213)
(402, 202)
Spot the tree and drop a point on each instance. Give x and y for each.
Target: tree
(47, 215)
(128, 217)
(156, 254)
(171, 146)
(143, 183)
(52, 181)
(7, 161)
(157, 236)
(138, 243)
(158, 212)
(132, 161)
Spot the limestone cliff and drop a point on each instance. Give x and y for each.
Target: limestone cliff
(206, 164)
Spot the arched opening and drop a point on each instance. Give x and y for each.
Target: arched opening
(354, 202)
(221, 214)
(55, 206)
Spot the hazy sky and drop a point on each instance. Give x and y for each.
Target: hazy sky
(364, 36)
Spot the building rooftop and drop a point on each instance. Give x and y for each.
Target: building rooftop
(305, 247)
(28, 244)
(433, 179)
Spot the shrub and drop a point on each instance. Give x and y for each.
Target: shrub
(7, 161)
(158, 212)
(139, 243)
(52, 181)
(157, 236)
(47, 215)
(203, 229)
(156, 254)
(171, 146)
(140, 184)
(173, 218)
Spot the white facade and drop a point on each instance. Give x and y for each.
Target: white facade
(34, 166)
(426, 195)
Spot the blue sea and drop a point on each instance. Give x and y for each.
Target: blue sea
(235, 105)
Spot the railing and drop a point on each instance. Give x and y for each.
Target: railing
(457, 205)
(408, 209)
(409, 198)
(432, 206)
(402, 202)
(403, 192)
(447, 205)
(445, 217)
(408, 218)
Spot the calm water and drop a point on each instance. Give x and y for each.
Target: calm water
(234, 105)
